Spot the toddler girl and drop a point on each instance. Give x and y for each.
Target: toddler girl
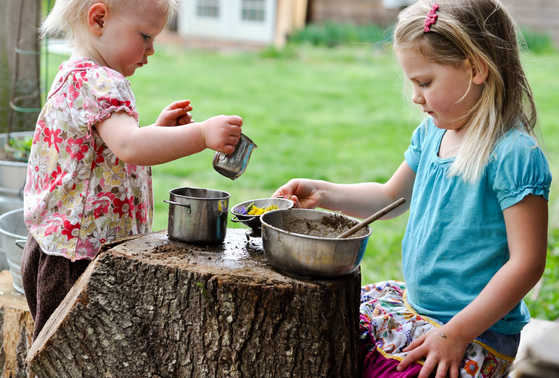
(477, 186)
(89, 178)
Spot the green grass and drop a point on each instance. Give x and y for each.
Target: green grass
(314, 115)
(335, 114)
(546, 305)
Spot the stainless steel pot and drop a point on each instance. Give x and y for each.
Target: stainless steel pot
(303, 242)
(13, 235)
(197, 215)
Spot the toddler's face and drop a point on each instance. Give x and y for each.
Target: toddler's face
(128, 37)
(444, 92)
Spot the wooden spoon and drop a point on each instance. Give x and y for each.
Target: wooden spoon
(371, 219)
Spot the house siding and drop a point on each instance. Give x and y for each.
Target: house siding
(537, 15)
(350, 11)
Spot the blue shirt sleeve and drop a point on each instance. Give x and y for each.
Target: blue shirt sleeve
(413, 153)
(518, 168)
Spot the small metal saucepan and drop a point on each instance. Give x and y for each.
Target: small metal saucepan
(233, 165)
(253, 221)
(197, 215)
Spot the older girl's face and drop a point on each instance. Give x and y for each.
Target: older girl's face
(128, 37)
(444, 92)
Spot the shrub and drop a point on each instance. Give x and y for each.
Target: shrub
(537, 42)
(331, 34)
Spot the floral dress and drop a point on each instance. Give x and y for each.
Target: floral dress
(388, 324)
(78, 194)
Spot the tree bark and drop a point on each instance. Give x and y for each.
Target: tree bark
(151, 307)
(16, 330)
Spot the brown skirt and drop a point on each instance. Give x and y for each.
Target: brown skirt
(46, 281)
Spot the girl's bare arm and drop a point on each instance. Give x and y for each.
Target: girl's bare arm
(358, 200)
(151, 145)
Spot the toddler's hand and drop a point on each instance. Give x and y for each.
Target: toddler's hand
(175, 114)
(221, 133)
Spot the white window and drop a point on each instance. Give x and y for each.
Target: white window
(397, 4)
(207, 8)
(253, 10)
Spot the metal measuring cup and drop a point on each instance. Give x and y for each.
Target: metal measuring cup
(233, 165)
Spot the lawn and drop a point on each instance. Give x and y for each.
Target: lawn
(335, 114)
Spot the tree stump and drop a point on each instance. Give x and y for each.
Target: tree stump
(16, 330)
(152, 307)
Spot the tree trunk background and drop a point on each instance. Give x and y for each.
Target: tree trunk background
(29, 65)
(151, 307)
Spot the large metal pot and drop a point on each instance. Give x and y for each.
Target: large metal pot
(13, 235)
(197, 215)
(303, 242)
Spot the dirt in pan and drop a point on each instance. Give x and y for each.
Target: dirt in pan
(328, 226)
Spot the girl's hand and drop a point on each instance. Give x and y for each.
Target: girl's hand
(303, 192)
(175, 114)
(221, 133)
(442, 350)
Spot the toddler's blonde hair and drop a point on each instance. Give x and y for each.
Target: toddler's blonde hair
(68, 17)
(480, 31)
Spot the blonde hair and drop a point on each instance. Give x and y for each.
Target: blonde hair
(68, 17)
(481, 31)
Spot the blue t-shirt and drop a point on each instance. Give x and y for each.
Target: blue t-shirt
(456, 238)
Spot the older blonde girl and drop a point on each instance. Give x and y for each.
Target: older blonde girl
(477, 186)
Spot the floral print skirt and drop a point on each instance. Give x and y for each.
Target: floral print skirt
(388, 324)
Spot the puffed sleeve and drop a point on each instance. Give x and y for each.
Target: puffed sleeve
(104, 91)
(413, 153)
(519, 168)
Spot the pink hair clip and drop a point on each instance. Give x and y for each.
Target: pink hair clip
(431, 18)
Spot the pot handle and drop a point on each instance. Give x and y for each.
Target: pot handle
(237, 220)
(179, 204)
(20, 243)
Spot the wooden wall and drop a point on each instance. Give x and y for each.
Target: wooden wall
(350, 11)
(539, 15)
